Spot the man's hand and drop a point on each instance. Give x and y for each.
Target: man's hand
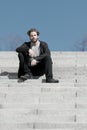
(31, 53)
(33, 62)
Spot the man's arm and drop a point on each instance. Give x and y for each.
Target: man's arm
(44, 51)
(23, 48)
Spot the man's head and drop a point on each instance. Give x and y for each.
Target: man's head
(33, 34)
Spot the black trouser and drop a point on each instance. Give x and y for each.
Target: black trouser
(44, 67)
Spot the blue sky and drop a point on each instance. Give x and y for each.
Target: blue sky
(62, 23)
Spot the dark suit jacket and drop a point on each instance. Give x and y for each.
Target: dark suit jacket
(44, 50)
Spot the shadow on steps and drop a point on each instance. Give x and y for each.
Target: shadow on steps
(13, 75)
(10, 75)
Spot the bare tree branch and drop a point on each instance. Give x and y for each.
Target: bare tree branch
(81, 46)
(10, 42)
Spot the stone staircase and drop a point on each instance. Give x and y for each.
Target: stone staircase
(34, 104)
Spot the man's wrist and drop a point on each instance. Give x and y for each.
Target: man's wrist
(29, 50)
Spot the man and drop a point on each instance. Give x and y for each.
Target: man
(34, 58)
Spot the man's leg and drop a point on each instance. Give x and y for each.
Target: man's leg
(48, 70)
(23, 66)
(48, 67)
(37, 70)
(44, 67)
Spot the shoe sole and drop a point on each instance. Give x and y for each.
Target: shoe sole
(23, 78)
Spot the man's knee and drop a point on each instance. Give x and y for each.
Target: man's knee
(20, 55)
(21, 58)
(48, 58)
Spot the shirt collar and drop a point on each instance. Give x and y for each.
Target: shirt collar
(37, 44)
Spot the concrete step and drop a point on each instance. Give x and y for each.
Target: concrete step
(39, 83)
(37, 99)
(73, 83)
(81, 119)
(45, 126)
(71, 59)
(37, 111)
(35, 104)
(57, 102)
(42, 112)
(42, 119)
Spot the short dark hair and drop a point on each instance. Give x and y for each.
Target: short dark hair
(33, 30)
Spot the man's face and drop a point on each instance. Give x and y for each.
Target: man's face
(33, 37)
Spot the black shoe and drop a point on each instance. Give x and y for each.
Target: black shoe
(20, 80)
(26, 76)
(52, 81)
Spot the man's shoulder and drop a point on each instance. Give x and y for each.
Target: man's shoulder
(43, 43)
(27, 43)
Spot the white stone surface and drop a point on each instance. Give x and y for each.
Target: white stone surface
(35, 105)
